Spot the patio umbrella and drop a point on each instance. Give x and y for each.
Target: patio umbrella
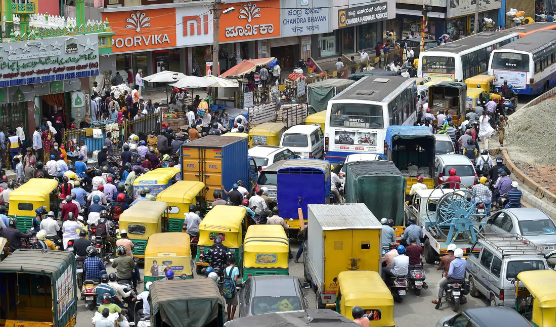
(221, 82)
(247, 66)
(191, 82)
(166, 76)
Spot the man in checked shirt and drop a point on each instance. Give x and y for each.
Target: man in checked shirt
(484, 194)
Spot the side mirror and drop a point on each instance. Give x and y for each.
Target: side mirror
(306, 285)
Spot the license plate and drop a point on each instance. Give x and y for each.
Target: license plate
(418, 282)
(79, 271)
(401, 292)
(455, 292)
(481, 210)
(89, 298)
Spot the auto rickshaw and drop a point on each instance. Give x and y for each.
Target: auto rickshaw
(237, 134)
(473, 96)
(484, 82)
(38, 289)
(367, 290)
(265, 251)
(318, 118)
(226, 222)
(142, 220)
(167, 250)
(191, 302)
(179, 197)
(156, 180)
(266, 134)
(36, 193)
(535, 296)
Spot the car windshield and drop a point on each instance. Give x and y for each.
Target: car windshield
(269, 304)
(510, 61)
(515, 267)
(261, 162)
(296, 140)
(444, 147)
(537, 227)
(466, 170)
(268, 178)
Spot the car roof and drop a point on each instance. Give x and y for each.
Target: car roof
(454, 159)
(302, 128)
(263, 150)
(496, 316)
(275, 286)
(527, 213)
(442, 137)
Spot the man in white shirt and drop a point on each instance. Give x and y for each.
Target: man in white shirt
(441, 117)
(118, 288)
(100, 192)
(418, 186)
(334, 179)
(94, 109)
(206, 122)
(339, 65)
(192, 221)
(37, 142)
(62, 166)
(257, 203)
(139, 80)
(52, 166)
(50, 226)
(242, 189)
(146, 311)
(400, 265)
(190, 117)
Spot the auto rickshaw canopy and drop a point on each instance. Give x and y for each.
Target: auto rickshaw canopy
(238, 134)
(364, 289)
(542, 286)
(147, 212)
(479, 80)
(173, 242)
(35, 190)
(224, 220)
(181, 192)
(266, 246)
(159, 176)
(267, 129)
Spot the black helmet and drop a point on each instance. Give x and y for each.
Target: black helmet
(485, 151)
(192, 208)
(104, 278)
(215, 125)
(12, 222)
(392, 245)
(112, 277)
(151, 149)
(216, 194)
(103, 214)
(169, 130)
(390, 222)
(142, 191)
(411, 221)
(91, 251)
(275, 210)
(137, 170)
(106, 297)
(40, 165)
(240, 129)
(120, 187)
(2, 210)
(126, 147)
(98, 173)
(121, 250)
(127, 166)
(356, 312)
(193, 125)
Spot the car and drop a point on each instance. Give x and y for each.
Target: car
(444, 144)
(268, 178)
(356, 157)
(464, 168)
(267, 294)
(530, 223)
(266, 155)
(485, 317)
(305, 140)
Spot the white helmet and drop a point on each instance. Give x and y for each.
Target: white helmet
(458, 253)
(384, 221)
(515, 184)
(148, 285)
(452, 247)
(214, 276)
(123, 231)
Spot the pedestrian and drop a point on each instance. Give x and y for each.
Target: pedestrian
(502, 129)
(353, 65)
(108, 144)
(129, 78)
(485, 130)
(19, 170)
(264, 76)
(339, 67)
(15, 145)
(231, 274)
(139, 81)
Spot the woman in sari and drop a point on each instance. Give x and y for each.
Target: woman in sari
(48, 140)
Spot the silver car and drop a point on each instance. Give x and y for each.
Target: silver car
(531, 223)
(463, 166)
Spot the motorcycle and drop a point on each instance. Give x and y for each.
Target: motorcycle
(453, 294)
(399, 287)
(345, 139)
(194, 240)
(502, 201)
(128, 301)
(508, 106)
(417, 278)
(89, 293)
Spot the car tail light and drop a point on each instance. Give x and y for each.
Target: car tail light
(342, 174)
(310, 154)
(327, 297)
(502, 295)
(475, 180)
(326, 144)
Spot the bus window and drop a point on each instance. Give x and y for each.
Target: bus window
(439, 64)
(356, 115)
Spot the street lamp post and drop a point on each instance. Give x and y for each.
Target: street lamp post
(216, 37)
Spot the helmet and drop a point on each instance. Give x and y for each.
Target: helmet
(52, 157)
(470, 141)
(91, 251)
(169, 130)
(98, 173)
(103, 214)
(148, 285)
(449, 118)
(235, 186)
(275, 210)
(50, 214)
(135, 138)
(151, 149)
(12, 222)
(239, 182)
(458, 253)
(104, 278)
(126, 147)
(96, 199)
(192, 208)
(77, 183)
(137, 170)
(41, 235)
(142, 143)
(142, 192)
(127, 166)
(357, 312)
(392, 245)
(482, 180)
(193, 125)
(428, 109)
(121, 250)
(216, 194)
(240, 129)
(170, 274)
(121, 197)
(68, 198)
(401, 249)
(420, 179)
(71, 175)
(40, 165)
(245, 202)
(123, 232)
(166, 157)
(452, 171)
(120, 187)
(109, 179)
(510, 86)
(112, 277)
(106, 297)
(213, 276)
(2, 210)
(411, 221)
(104, 169)
(384, 221)
(209, 270)
(390, 222)
(515, 184)
(452, 247)
(70, 216)
(484, 152)
(499, 160)
(215, 125)
(39, 210)
(218, 240)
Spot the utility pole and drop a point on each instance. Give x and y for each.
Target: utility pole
(423, 24)
(476, 25)
(215, 39)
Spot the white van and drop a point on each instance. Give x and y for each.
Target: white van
(307, 141)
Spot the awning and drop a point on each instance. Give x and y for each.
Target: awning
(283, 41)
(246, 67)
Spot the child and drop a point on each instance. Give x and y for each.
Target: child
(19, 170)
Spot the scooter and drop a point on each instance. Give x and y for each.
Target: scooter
(416, 278)
(508, 106)
(89, 293)
(399, 287)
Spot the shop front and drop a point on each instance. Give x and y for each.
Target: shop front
(461, 17)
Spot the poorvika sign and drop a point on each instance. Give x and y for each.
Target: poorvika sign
(249, 21)
(48, 60)
(363, 14)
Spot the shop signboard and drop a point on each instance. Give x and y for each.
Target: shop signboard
(457, 8)
(194, 26)
(250, 21)
(305, 17)
(366, 14)
(48, 60)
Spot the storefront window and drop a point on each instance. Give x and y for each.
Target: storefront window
(133, 61)
(348, 40)
(167, 60)
(12, 114)
(457, 28)
(367, 35)
(327, 44)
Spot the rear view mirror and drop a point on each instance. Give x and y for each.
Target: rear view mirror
(306, 285)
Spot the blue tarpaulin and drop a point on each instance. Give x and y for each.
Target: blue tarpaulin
(406, 132)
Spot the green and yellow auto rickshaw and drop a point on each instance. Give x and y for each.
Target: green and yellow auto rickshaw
(265, 251)
(179, 197)
(167, 250)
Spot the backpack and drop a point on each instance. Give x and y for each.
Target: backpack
(486, 166)
(101, 230)
(117, 211)
(229, 286)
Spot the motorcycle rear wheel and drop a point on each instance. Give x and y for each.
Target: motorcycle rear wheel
(417, 291)
(455, 304)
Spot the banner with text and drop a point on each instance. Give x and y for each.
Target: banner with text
(305, 17)
(372, 13)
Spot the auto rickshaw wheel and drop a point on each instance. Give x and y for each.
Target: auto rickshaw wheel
(198, 269)
(473, 288)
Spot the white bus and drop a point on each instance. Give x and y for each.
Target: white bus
(463, 58)
(357, 118)
(528, 64)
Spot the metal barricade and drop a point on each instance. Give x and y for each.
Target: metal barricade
(145, 124)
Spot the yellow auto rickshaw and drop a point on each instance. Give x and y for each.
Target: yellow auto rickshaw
(484, 82)
(266, 134)
(473, 96)
(237, 134)
(156, 180)
(225, 222)
(167, 250)
(179, 197)
(535, 296)
(265, 251)
(36, 193)
(367, 290)
(142, 220)
(318, 118)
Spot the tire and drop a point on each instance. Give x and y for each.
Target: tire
(198, 269)
(473, 291)
(430, 255)
(455, 305)
(398, 298)
(417, 291)
(491, 301)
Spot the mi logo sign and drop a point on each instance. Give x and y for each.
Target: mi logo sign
(195, 25)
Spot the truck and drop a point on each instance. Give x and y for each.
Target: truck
(319, 93)
(301, 182)
(218, 161)
(412, 150)
(379, 185)
(446, 217)
(340, 237)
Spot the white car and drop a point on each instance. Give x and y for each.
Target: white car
(266, 155)
(356, 157)
(444, 144)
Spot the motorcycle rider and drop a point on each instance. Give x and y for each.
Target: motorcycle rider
(110, 189)
(470, 150)
(456, 273)
(129, 247)
(100, 193)
(125, 265)
(130, 180)
(453, 181)
(214, 129)
(81, 244)
(142, 195)
(218, 254)
(357, 313)
(493, 174)
(484, 194)
(257, 202)
(103, 288)
(96, 206)
(503, 185)
(412, 231)
(388, 234)
(414, 252)
(93, 266)
(119, 206)
(51, 227)
(509, 94)
(234, 195)
(69, 207)
(484, 163)
(118, 288)
(80, 194)
(514, 196)
(218, 199)
(48, 244)
(13, 235)
(70, 229)
(418, 186)
(107, 304)
(144, 296)
(446, 260)
(97, 180)
(335, 183)
(400, 265)
(40, 212)
(192, 221)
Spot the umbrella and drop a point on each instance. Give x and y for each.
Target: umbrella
(247, 66)
(221, 82)
(164, 77)
(191, 82)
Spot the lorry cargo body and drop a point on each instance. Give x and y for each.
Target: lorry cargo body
(340, 238)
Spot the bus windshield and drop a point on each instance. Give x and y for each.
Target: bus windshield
(510, 61)
(438, 64)
(356, 115)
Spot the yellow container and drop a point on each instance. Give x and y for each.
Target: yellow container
(266, 134)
